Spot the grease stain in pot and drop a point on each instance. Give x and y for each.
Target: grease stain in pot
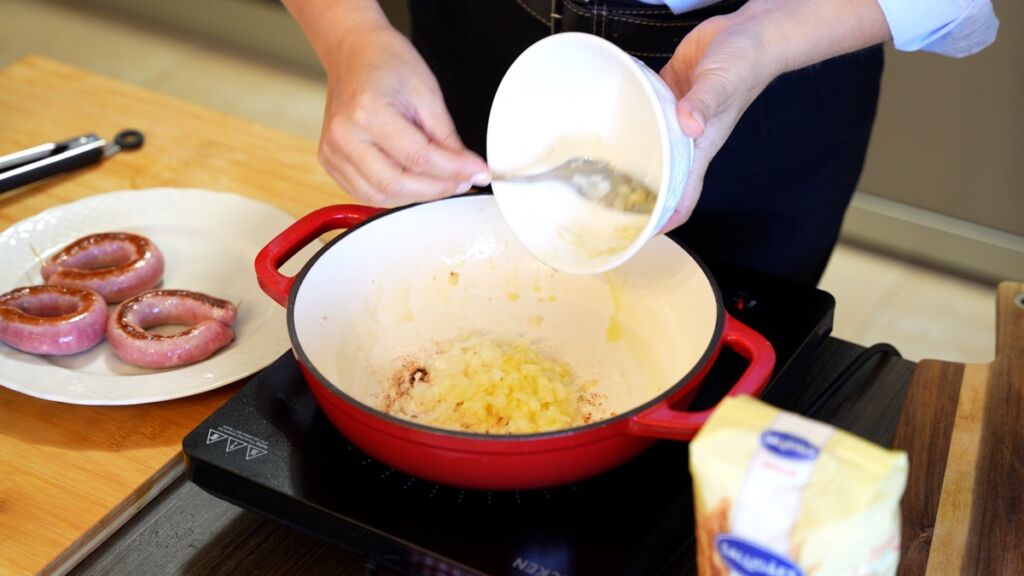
(614, 331)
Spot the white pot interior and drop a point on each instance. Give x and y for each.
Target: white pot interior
(435, 272)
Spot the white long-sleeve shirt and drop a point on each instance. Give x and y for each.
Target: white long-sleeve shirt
(953, 28)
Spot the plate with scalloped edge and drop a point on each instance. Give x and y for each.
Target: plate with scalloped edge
(209, 240)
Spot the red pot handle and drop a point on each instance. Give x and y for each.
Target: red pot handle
(298, 236)
(664, 422)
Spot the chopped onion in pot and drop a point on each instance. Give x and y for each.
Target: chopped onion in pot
(482, 385)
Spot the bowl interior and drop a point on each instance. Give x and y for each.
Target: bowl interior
(392, 289)
(568, 95)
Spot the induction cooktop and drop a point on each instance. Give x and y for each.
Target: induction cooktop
(272, 451)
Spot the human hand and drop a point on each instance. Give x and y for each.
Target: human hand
(387, 137)
(726, 62)
(716, 72)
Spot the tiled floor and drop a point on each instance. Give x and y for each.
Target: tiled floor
(924, 313)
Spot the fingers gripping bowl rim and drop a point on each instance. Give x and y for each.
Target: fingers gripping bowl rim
(374, 292)
(575, 94)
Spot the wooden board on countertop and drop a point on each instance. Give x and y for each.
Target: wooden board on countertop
(70, 473)
(963, 428)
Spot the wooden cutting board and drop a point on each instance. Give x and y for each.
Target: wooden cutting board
(70, 475)
(963, 429)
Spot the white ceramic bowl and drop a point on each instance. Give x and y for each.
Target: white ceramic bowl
(575, 94)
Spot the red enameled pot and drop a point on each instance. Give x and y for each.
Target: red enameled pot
(396, 283)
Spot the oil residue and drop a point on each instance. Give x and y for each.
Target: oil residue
(614, 331)
(593, 242)
(513, 296)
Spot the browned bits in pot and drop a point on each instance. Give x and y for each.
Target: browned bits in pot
(419, 375)
(591, 404)
(402, 383)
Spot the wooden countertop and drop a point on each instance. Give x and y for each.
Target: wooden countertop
(70, 475)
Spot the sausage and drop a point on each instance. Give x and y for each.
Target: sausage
(116, 265)
(52, 320)
(209, 322)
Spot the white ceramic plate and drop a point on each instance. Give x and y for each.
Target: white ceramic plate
(209, 241)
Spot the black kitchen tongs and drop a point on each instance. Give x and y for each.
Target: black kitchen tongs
(38, 162)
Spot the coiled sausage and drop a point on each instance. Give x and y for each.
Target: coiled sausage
(116, 265)
(209, 322)
(52, 320)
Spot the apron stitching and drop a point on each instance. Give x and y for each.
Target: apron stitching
(642, 12)
(631, 20)
(648, 23)
(638, 12)
(532, 13)
(651, 54)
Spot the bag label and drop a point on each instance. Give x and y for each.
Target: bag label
(789, 446)
(749, 559)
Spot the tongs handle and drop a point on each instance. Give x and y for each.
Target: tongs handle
(45, 160)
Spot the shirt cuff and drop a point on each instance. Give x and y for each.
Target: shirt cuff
(949, 27)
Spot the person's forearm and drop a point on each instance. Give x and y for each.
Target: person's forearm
(803, 32)
(328, 24)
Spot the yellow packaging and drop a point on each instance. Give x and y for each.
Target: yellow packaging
(779, 494)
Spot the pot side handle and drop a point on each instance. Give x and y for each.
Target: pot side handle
(664, 422)
(298, 236)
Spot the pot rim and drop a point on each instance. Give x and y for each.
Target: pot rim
(709, 352)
